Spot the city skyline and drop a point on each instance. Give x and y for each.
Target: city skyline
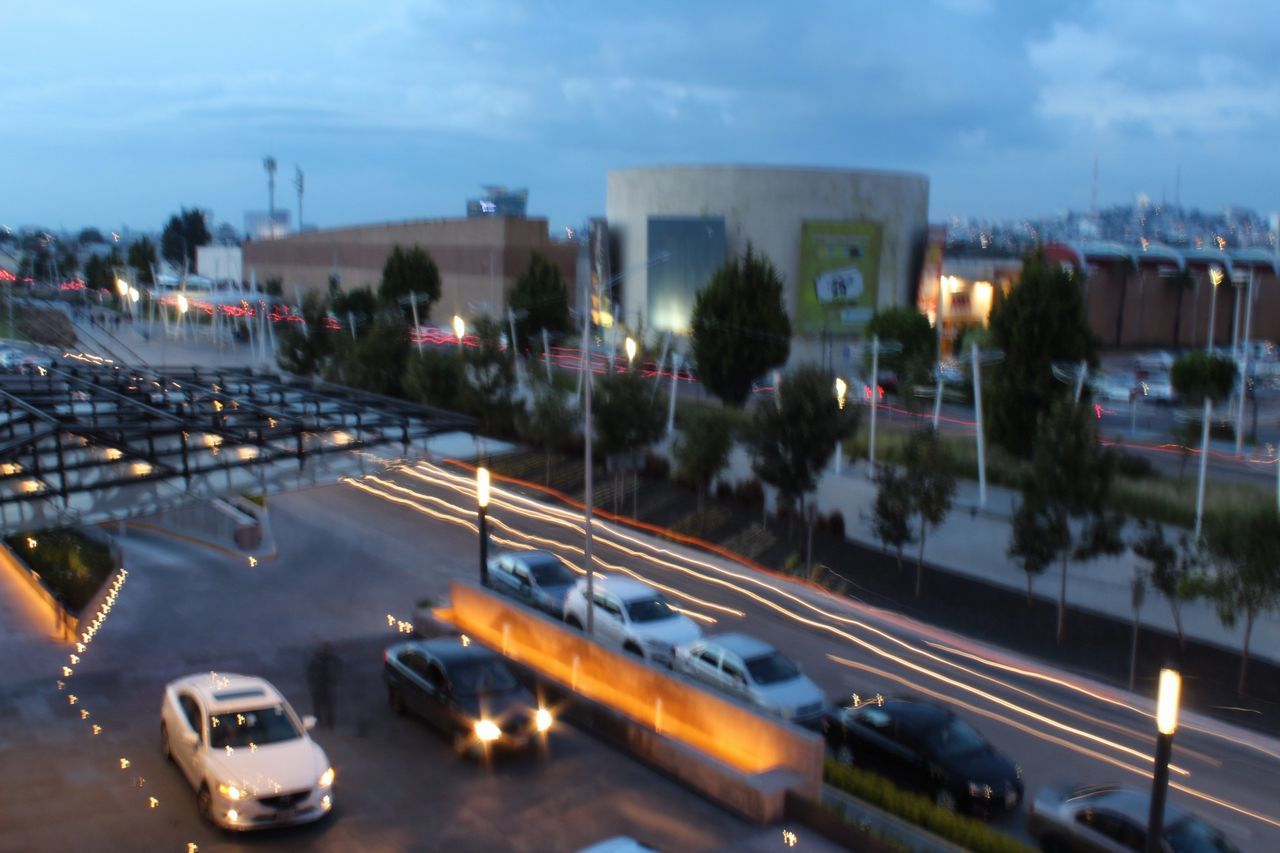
(405, 111)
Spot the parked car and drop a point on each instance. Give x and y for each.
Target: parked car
(10, 357)
(536, 577)
(34, 362)
(465, 691)
(632, 616)
(245, 752)
(926, 748)
(1158, 388)
(1112, 818)
(755, 671)
(1114, 387)
(1158, 360)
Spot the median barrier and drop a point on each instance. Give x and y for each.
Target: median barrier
(724, 749)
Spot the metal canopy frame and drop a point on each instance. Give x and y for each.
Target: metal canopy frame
(89, 426)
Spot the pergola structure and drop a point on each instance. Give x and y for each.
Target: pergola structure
(88, 441)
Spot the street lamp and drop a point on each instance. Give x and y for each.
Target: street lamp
(842, 389)
(122, 287)
(183, 305)
(459, 329)
(631, 350)
(1167, 699)
(482, 505)
(1215, 276)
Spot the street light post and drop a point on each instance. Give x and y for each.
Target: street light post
(842, 388)
(459, 330)
(1215, 276)
(1166, 724)
(482, 507)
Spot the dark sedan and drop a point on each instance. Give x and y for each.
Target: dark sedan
(465, 691)
(926, 748)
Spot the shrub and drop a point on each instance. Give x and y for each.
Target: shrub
(71, 565)
(1135, 467)
(750, 494)
(968, 832)
(656, 467)
(835, 524)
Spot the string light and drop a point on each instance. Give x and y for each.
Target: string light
(124, 764)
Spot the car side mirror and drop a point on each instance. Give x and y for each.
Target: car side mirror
(308, 722)
(190, 738)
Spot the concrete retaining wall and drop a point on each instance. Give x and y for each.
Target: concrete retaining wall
(724, 749)
(217, 522)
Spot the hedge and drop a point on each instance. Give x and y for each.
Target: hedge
(965, 831)
(71, 565)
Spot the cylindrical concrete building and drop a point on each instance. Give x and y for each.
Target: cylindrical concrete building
(845, 242)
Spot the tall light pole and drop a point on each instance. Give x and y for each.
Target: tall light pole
(459, 331)
(588, 497)
(842, 389)
(269, 163)
(1167, 699)
(1215, 277)
(631, 351)
(482, 507)
(297, 183)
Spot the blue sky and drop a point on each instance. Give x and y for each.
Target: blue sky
(119, 113)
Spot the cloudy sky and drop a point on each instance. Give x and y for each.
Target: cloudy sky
(119, 113)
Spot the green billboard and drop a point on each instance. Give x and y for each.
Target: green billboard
(839, 275)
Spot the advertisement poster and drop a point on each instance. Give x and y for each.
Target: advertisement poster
(839, 277)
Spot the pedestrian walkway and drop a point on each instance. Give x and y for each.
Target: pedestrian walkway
(974, 539)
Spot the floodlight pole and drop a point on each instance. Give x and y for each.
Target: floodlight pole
(977, 408)
(1167, 701)
(1245, 352)
(937, 397)
(1204, 466)
(675, 382)
(1084, 371)
(875, 400)
(588, 497)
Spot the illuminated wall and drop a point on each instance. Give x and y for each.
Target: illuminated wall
(694, 249)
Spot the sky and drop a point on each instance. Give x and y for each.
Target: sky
(118, 114)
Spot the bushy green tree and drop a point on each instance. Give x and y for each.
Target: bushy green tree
(891, 513)
(376, 362)
(910, 329)
(1197, 375)
(740, 329)
(410, 272)
(491, 378)
(552, 423)
(1170, 570)
(1065, 494)
(185, 232)
(142, 258)
(357, 304)
(1035, 537)
(307, 348)
(437, 378)
(1245, 547)
(625, 415)
(793, 436)
(1040, 321)
(931, 484)
(539, 300)
(702, 450)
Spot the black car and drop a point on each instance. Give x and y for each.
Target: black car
(465, 691)
(926, 748)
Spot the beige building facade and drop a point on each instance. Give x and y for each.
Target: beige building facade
(479, 258)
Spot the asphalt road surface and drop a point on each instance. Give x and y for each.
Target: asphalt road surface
(1061, 728)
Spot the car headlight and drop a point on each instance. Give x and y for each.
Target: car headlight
(542, 719)
(487, 730)
(326, 778)
(231, 792)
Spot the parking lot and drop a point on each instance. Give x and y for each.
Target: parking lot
(399, 785)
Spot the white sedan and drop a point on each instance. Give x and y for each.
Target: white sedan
(245, 752)
(755, 671)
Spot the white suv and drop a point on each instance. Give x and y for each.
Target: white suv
(632, 616)
(244, 751)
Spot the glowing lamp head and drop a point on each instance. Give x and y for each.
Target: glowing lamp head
(631, 348)
(459, 327)
(183, 305)
(841, 388)
(1167, 701)
(1216, 275)
(122, 286)
(134, 295)
(482, 486)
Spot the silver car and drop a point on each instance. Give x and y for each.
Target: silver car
(755, 671)
(1114, 819)
(538, 578)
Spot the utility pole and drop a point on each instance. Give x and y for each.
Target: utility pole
(297, 183)
(586, 433)
(269, 163)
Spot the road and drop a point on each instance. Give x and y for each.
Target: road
(1060, 727)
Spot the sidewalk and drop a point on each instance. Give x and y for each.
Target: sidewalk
(973, 541)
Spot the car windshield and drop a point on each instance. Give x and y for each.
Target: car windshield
(1191, 835)
(954, 738)
(771, 668)
(257, 727)
(649, 610)
(487, 676)
(551, 572)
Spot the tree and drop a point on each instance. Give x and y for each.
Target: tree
(90, 236)
(1171, 571)
(274, 286)
(227, 235)
(539, 300)
(1245, 547)
(492, 377)
(792, 438)
(740, 328)
(98, 274)
(1199, 375)
(1181, 281)
(1068, 484)
(625, 414)
(930, 484)
(1040, 321)
(358, 305)
(307, 348)
(437, 378)
(1035, 538)
(552, 421)
(909, 328)
(376, 362)
(891, 513)
(142, 258)
(702, 450)
(183, 234)
(410, 272)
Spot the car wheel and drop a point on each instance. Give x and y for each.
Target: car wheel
(844, 754)
(572, 622)
(396, 698)
(944, 799)
(164, 743)
(204, 802)
(633, 649)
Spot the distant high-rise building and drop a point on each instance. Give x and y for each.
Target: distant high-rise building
(259, 225)
(499, 201)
